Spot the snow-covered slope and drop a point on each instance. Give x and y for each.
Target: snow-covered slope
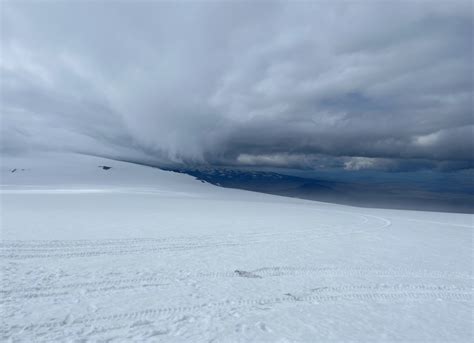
(134, 253)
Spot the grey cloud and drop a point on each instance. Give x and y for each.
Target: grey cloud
(355, 85)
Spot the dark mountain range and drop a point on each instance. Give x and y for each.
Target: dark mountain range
(361, 193)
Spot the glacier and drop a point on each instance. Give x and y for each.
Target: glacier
(134, 253)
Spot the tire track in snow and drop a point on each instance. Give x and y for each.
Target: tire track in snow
(67, 245)
(76, 285)
(117, 251)
(33, 249)
(84, 243)
(390, 288)
(154, 280)
(108, 290)
(92, 250)
(151, 286)
(162, 276)
(36, 245)
(343, 272)
(411, 296)
(83, 288)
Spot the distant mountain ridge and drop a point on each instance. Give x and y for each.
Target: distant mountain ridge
(355, 193)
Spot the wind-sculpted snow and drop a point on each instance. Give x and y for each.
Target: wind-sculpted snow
(166, 258)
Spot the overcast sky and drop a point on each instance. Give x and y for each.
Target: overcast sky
(356, 85)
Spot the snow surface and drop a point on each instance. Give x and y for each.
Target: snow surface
(139, 254)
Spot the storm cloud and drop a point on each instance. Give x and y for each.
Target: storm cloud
(356, 85)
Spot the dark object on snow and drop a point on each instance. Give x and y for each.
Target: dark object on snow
(105, 167)
(243, 273)
(13, 170)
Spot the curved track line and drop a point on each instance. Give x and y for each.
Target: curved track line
(436, 222)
